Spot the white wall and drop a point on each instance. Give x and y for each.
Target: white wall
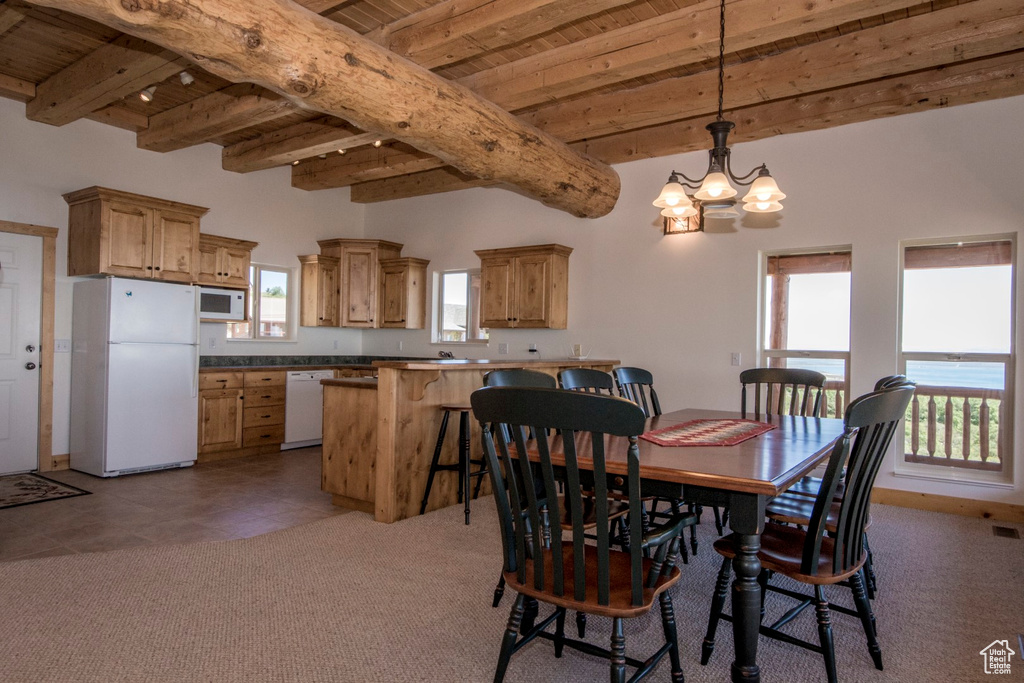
(38, 163)
(679, 305)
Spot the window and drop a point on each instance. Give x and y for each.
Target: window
(269, 310)
(956, 342)
(806, 319)
(458, 307)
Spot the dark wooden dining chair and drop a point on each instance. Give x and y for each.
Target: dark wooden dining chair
(781, 391)
(831, 548)
(637, 385)
(587, 380)
(567, 572)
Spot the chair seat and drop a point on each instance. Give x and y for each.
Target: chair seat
(457, 407)
(797, 509)
(620, 599)
(781, 551)
(616, 509)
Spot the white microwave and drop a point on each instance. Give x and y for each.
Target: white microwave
(220, 305)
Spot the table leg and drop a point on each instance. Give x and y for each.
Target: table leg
(748, 522)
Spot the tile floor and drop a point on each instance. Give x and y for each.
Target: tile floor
(207, 502)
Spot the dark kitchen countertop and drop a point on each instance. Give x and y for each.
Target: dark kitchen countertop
(292, 362)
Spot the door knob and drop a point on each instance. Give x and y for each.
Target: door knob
(30, 348)
(30, 366)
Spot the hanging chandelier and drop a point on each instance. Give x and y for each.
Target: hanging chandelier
(714, 192)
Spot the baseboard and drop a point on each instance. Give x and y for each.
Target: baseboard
(60, 462)
(966, 507)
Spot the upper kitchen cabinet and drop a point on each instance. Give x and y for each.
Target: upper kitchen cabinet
(224, 261)
(319, 305)
(360, 274)
(403, 298)
(118, 233)
(525, 287)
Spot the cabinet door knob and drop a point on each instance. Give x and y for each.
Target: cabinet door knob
(149, 267)
(508, 319)
(157, 268)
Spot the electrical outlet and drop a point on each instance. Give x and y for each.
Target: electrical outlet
(401, 346)
(737, 358)
(503, 349)
(335, 344)
(213, 342)
(533, 348)
(62, 346)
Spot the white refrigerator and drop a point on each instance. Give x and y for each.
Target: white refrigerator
(134, 376)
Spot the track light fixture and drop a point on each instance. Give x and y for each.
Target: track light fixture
(378, 143)
(186, 78)
(147, 94)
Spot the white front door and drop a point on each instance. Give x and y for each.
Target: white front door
(21, 267)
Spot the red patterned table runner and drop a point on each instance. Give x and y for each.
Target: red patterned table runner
(711, 432)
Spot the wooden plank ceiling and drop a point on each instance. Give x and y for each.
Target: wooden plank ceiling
(616, 80)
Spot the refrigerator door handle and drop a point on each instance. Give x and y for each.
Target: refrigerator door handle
(195, 367)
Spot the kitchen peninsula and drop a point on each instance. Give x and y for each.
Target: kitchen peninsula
(377, 448)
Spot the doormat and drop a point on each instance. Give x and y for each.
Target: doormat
(25, 489)
(718, 432)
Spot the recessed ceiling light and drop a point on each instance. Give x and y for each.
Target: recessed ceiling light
(186, 78)
(147, 94)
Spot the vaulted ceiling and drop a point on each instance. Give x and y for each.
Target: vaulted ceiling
(614, 80)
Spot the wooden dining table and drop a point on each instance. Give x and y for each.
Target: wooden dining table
(744, 477)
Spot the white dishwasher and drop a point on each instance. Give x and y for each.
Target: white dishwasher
(304, 408)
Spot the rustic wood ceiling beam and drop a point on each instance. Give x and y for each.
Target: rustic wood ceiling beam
(120, 116)
(300, 141)
(686, 36)
(9, 18)
(458, 29)
(955, 34)
(211, 116)
(438, 35)
(326, 67)
(975, 81)
(947, 36)
(361, 165)
(121, 67)
(16, 88)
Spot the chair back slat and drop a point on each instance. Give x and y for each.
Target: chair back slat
(519, 377)
(802, 387)
(583, 421)
(637, 385)
(870, 425)
(587, 380)
(890, 381)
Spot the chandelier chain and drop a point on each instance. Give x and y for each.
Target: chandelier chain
(721, 59)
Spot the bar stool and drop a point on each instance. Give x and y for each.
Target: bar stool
(463, 466)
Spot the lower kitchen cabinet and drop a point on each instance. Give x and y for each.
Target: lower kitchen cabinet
(240, 413)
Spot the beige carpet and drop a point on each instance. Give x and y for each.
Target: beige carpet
(347, 599)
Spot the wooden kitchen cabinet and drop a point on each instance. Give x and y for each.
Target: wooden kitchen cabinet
(119, 233)
(359, 277)
(263, 424)
(525, 287)
(320, 303)
(220, 412)
(224, 261)
(403, 298)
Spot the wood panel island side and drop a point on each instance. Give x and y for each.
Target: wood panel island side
(379, 436)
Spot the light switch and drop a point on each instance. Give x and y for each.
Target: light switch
(62, 346)
(503, 349)
(737, 358)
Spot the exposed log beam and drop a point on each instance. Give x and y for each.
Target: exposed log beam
(955, 34)
(121, 117)
(9, 18)
(328, 68)
(951, 35)
(121, 67)
(975, 81)
(301, 141)
(457, 29)
(210, 116)
(685, 36)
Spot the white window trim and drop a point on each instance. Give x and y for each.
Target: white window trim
(913, 470)
(291, 321)
(437, 321)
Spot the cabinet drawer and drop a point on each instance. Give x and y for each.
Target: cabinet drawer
(272, 395)
(260, 436)
(220, 380)
(265, 415)
(263, 379)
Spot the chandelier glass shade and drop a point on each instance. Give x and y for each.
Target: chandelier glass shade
(715, 191)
